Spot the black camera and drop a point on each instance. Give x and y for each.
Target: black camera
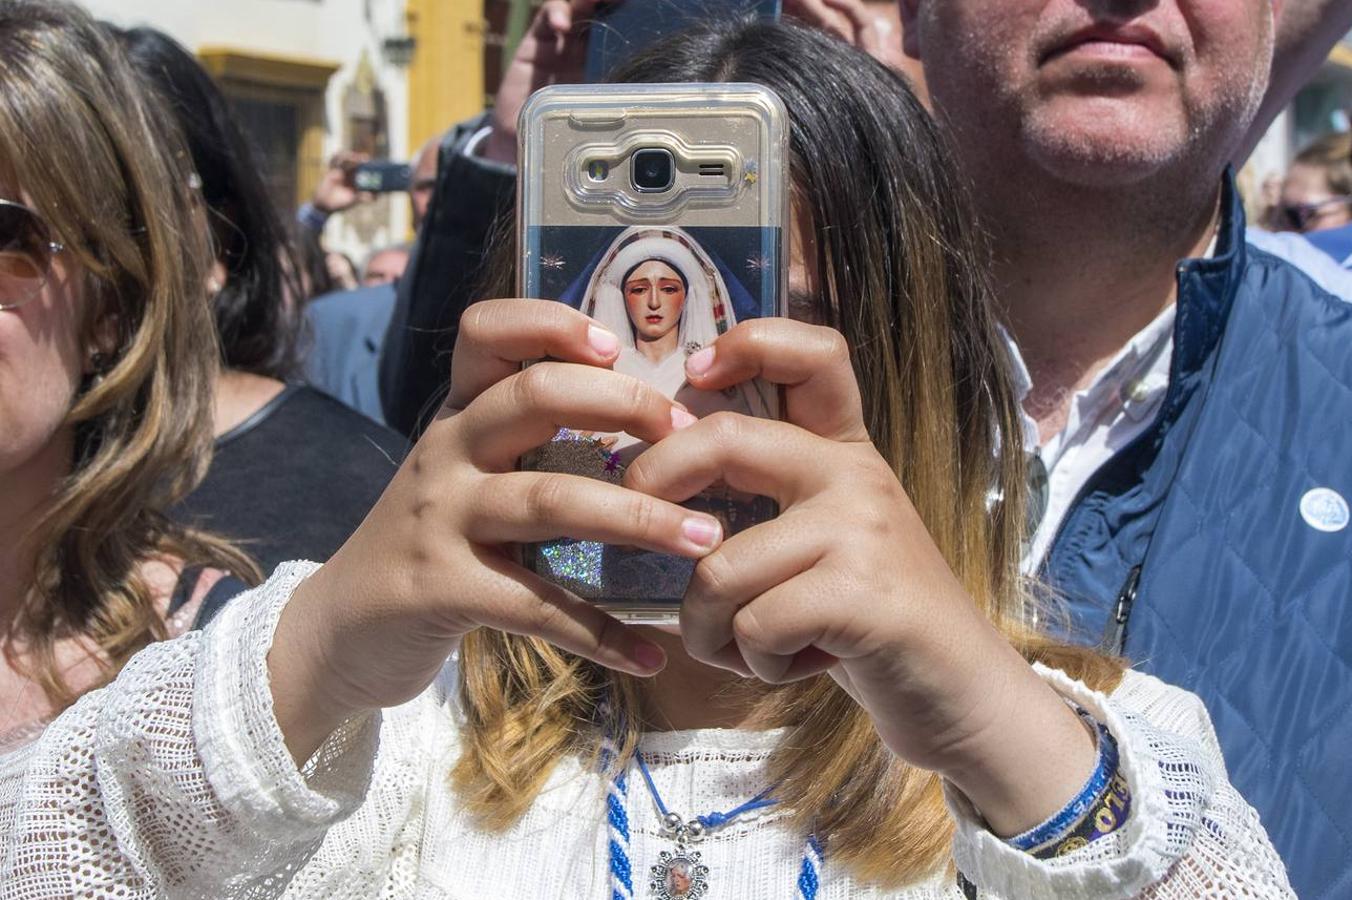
(652, 170)
(382, 177)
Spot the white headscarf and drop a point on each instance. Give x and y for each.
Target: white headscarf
(707, 312)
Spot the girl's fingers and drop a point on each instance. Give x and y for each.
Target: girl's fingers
(756, 456)
(523, 603)
(497, 336)
(811, 362)
(789, 632)
(841, 676)
(745, 566)
(527, 507)
(528, 408)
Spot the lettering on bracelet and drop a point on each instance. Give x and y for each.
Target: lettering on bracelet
(1108, 814)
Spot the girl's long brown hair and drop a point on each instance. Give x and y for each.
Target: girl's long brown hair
(903, 277)
(102, 164)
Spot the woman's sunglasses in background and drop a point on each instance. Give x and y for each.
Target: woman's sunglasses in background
(26, 252)
(1298, 216)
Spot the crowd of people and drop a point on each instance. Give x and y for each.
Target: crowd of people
(1055, 604)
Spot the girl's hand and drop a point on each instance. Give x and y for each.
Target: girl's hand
(848, 581)
(432, 560)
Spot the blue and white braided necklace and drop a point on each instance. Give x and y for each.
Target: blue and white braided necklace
(680, 874)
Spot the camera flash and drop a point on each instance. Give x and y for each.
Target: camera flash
(598, 170)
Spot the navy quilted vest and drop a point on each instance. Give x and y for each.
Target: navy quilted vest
(1191, 545)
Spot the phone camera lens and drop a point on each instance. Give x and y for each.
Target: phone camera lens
(653, 170)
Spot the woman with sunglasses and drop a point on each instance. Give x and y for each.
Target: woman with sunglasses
(1317, 192)
(107, 356)
(854, 698)
(1317, 197)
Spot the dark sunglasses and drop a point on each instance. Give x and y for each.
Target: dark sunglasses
(1298, 216)
(26, 252)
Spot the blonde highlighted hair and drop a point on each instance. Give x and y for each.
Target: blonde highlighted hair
(902, 276)
(101, 162)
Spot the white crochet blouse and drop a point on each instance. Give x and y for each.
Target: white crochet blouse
(174, 782)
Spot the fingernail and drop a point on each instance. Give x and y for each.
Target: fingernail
(681, 419)
(702, 531)
(602, 341)
(649, 656)
(700, 362)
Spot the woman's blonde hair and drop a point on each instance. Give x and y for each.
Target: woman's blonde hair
(101, 162)
(902, 275)
(1333, 154)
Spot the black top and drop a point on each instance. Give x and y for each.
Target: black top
(295, 479)
(443, 272)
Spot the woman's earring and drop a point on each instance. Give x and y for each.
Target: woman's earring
(98, 367)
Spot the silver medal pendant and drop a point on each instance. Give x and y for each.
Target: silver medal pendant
(680, 875)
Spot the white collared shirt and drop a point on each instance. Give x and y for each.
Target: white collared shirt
(1114, 410)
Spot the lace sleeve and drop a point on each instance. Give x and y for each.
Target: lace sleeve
(174, 780)
(1190, 834)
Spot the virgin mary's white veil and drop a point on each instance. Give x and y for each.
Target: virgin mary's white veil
(708, 311)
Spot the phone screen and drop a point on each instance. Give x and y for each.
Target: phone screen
(620, 31)
(666, 291)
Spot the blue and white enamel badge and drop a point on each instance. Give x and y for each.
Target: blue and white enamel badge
(1324, 509)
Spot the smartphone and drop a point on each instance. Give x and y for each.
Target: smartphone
(659, 211)
(620, 30)
(382, 177)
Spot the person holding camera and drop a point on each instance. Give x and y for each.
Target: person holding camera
(348, 327)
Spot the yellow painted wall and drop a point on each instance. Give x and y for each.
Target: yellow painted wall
(293, 81)
(446, 79)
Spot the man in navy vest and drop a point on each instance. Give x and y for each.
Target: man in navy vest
(1189, 398)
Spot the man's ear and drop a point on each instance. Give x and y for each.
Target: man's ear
(910, 28)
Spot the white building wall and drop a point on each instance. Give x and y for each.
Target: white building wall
(335, 31)
(1272, 155)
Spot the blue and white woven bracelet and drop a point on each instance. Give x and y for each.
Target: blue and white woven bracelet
(1071, 816)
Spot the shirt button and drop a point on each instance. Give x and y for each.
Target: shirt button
(1138, 391)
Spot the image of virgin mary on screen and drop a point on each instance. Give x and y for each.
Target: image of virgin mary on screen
(667, 293)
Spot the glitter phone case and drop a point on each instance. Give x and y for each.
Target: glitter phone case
(658, 210)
